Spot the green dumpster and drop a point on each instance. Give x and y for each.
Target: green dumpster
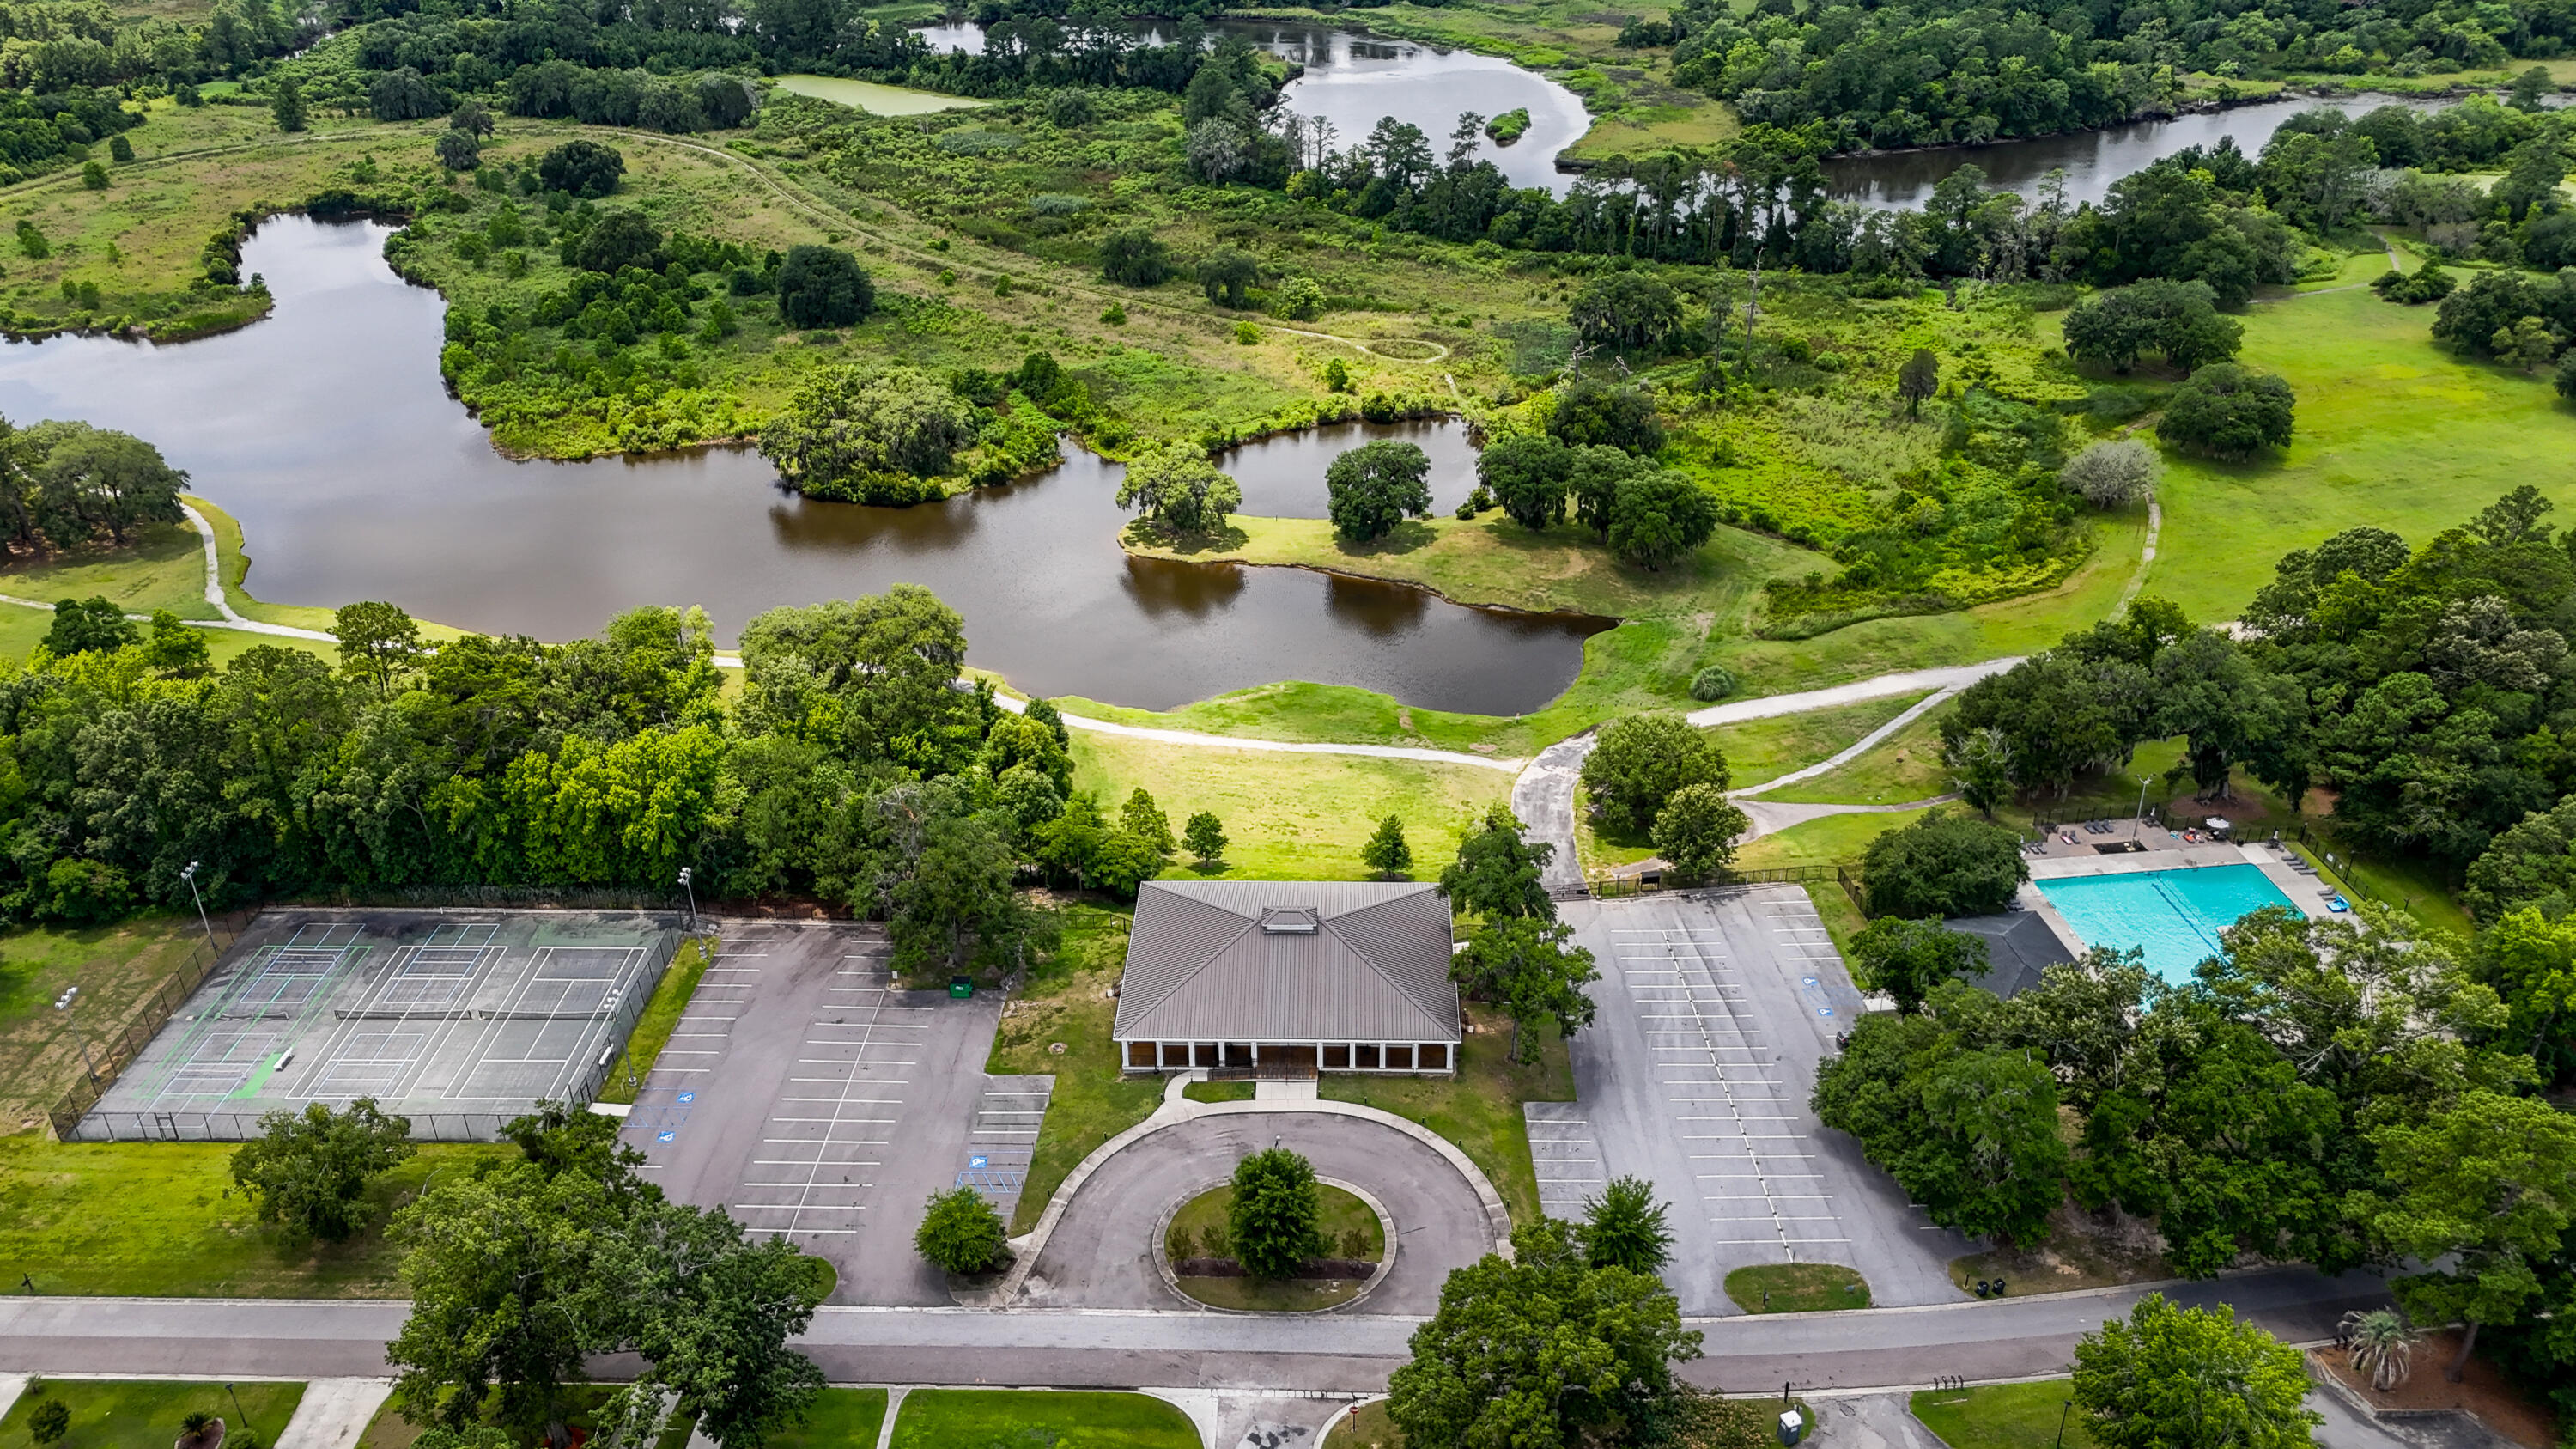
(961, 987)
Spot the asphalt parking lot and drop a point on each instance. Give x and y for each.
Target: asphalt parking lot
(811, 1099)
(1713, 1015)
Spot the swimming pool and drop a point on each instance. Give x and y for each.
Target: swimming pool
(2173, 915)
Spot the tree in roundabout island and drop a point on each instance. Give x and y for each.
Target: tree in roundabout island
(1273, 1220)
(1544, 1350)
(960, 1232)
(310, 1170)
(2167, 1377)
(822, 286)
(1374, 487)
(1943, 865)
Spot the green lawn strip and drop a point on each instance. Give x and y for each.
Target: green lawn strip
(116, 969)
(145, 1413)
(2392, 431)
(1796, 1288)
(1022, 1418)
(1291, 817)
(1479, 1110)
(2003, 1416)
(153, 1219)
(1765, 749)
(838, 1419)
(1218, 1091)
(1069, 1002)
(1904, 766)
(1833, 840)
(661, 1016)
(163, 567)
(2421, 888)
(1367, 1427)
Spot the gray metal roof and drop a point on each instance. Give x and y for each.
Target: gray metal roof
(1199, 968)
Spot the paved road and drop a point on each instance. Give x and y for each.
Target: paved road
(1100, 1255)
(1543, 795)
(1714, 1012)
(1353, 1353)
(806, 1097)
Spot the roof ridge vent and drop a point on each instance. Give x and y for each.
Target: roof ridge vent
(1281, 921)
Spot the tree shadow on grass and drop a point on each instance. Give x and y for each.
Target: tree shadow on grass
(1229, 539)
(1404, 538)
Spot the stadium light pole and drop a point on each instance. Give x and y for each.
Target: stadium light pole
(685, 875)
(190, 876)
(64, 1004)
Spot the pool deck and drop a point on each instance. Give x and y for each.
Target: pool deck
(2162, 850)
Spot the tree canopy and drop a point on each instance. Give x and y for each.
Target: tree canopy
(1943, 865)
(820, 286)
(862, 437)
(1638, 763)
(1374, 487)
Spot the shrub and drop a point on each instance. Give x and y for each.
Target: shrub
(49, 1421)
(1713, 683)
(582, 168)
(1298, 299)
(619, 239)
(960, 1232)
(1942, 865)
(2229, 412)
(1133, 258)
(2111, 473)
(822, 286)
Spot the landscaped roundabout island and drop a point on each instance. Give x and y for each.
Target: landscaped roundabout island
(1201, 1258)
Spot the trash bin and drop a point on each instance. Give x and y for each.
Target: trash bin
(961, 987)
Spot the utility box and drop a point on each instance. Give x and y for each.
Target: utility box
(961, 987)
(1792, 1427)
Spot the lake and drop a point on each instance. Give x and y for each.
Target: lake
(327, 432)
(1354, 81)
(2093, 160)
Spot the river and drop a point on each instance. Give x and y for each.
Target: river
(326, 431)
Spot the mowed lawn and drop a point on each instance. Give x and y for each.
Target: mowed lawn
(1291, 817)
(145, 1413)
(2392, 431)
(162, 1219)
(1029, 1418)
(2003, 1416)
(115, 967)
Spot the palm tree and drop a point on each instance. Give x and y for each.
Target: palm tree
(2382, 1345)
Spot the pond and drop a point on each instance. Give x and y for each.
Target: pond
(1354, 81)
(326, 431)
(2093, 160)
(1283, 477)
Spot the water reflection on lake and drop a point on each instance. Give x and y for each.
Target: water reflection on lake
(2093, 160)
(326, 432)
(1354, 81)
(1283, 477)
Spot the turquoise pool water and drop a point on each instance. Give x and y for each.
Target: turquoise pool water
(2173, 915)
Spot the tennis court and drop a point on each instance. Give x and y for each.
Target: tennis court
(458, 1020)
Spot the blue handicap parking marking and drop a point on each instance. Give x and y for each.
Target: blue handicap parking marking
(687, 1097)
(665, 1137)
(977, 1164)
(1810, 980)
(1824, 1011)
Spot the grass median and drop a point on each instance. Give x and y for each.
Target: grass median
(661, 1017)
(145, 1413)
(1010, 1418)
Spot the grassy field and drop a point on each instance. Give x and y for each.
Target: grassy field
(1028, 1419)
(661, 1016)
(872, 97)
(1366, 1427)
(145, 1413)
(1480, 1108)
(1796, 1288)
(1292, 817)
(1766, 749)
(2002, 1416)
(1834, 840)
(1904, 766)
(839, 1419)
(2392, 432)
(1069, 1003)
(164, 568)
(162, 1219)
(115, 967)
